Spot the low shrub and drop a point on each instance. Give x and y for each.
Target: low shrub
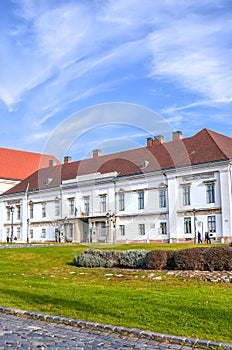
(190, 259)
(160, 259)
(134, 259)
(98, 258)
(218, 259)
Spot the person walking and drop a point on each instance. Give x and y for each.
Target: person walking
(199, 237)
(207, 237)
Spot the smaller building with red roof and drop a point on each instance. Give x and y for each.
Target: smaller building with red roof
(16, 165)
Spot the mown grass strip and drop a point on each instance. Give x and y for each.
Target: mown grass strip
(45, 280)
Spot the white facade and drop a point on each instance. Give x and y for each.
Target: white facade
(160, 206)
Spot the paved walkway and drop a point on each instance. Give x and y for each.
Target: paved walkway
(28, 330)
(22, 333)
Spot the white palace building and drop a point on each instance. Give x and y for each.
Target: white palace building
(163, 192)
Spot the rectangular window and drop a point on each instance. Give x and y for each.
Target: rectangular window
(31, 233)
(43, 233)
(187, 225)
(31, 211)
(44, 214)
(210, 193)
(121, 201)
(18, 232)
(8, 234)
(68, 231)
(86, 205)
(8, 214)
(141, 229)
(212, 223)
(162, 198)
(71, 206)
(103, 204)
(103, 224)
(57, 208)
(141, 200)
(121, 230)
(163, 228)
(18, 211)
(186, 195)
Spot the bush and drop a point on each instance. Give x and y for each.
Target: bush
(98, 258)
(160, 259)
(204, 259)
(111, 258)
(218, 259)
(190, 259)
(133, 259)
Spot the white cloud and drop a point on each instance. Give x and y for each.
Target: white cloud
(58, 53)
(189, 52)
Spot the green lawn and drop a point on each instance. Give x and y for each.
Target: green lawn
(45, 280)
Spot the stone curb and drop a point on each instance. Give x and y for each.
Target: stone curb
(160, 337)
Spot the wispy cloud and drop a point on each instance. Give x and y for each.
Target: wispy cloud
(189, 52)
(64, 54)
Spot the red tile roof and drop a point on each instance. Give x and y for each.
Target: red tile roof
(17, 165)
(204, 147)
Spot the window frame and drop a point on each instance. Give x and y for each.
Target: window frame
(141, 229)
(18, 212)
(71, 206)
(163, 228)
(44, 210)
(103, 204)
(140, 200)
(57, 208)
(211, 223)
(121, 201)
(43, 233)
(210, 192)
(122, 231)
(8, 214)
(187, 225)
(162, 198)
(31, 211)
(86, 200)
(186, 195)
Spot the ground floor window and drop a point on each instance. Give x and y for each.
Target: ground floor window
(69, 231)
(122, 230)
(187, 225)
(141, 229)
(43, 233)
(163, 228)
(31, 233)
(8, 234)
(18, 232)
(212, 223)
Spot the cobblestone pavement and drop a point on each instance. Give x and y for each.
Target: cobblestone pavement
(23, 333)
(27, 333)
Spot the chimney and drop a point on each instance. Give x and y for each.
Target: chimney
(149, 142)
(67, 159)
(52, 162)
(158, 139)
(177, 135)
(96, 153)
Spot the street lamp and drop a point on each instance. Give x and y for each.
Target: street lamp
(28, 227)
(110, 219)
(12, 208)
(194, 221)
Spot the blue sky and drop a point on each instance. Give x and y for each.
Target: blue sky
(61, 57)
